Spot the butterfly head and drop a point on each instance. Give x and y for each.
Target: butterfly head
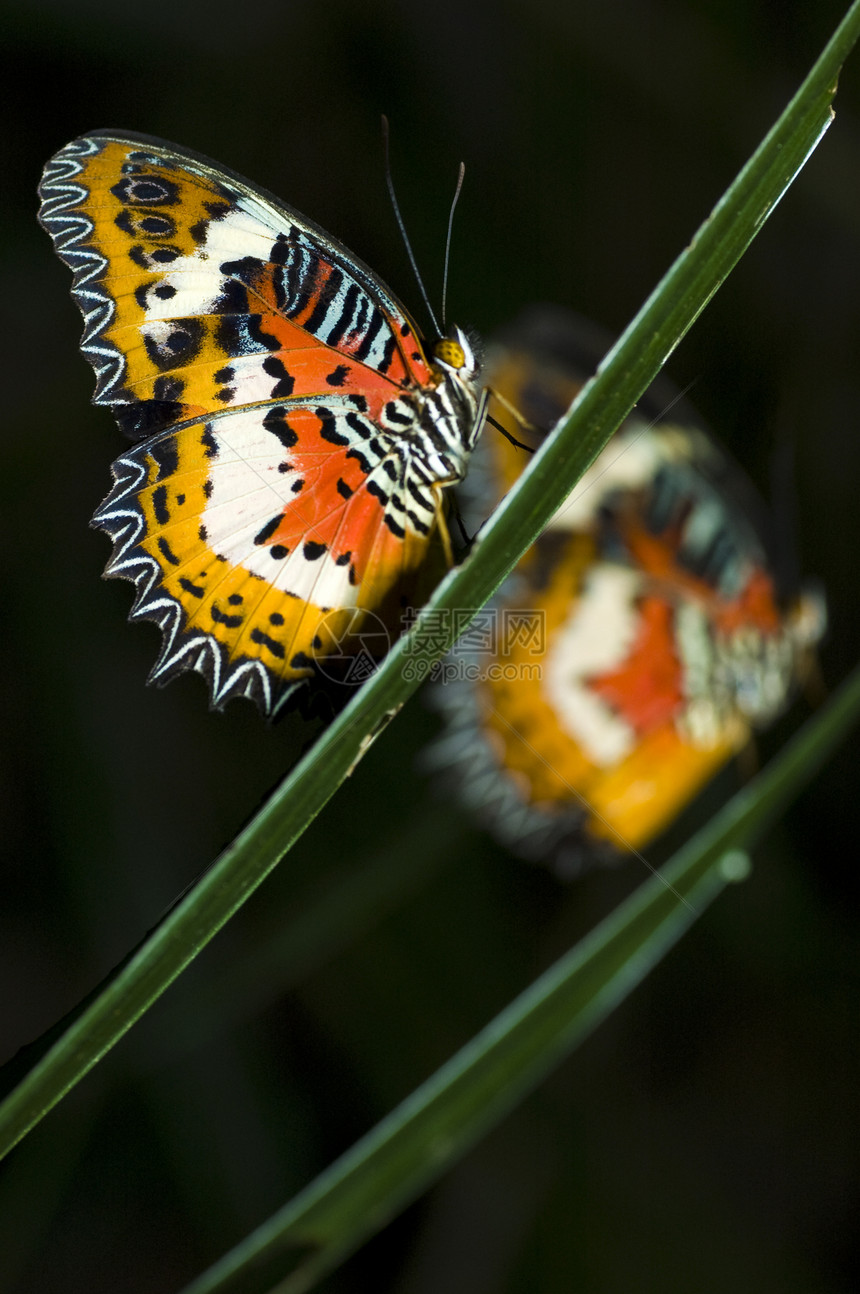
(455, 356)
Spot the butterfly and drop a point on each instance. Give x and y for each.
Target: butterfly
(282, 503)
(638, 643)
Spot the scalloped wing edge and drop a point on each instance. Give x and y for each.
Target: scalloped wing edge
(463, 761)
(69, 228)
(123, 522)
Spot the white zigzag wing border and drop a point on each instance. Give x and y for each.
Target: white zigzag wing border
(69, 228)
(121, 519)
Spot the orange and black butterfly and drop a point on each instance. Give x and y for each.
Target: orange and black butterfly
(283, 498)
(638, 643)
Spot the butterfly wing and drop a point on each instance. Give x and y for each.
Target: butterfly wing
(253, 359)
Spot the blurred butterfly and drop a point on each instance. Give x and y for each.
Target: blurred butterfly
(639, 641)
(282, 505)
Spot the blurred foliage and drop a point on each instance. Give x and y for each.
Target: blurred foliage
(706, 1136)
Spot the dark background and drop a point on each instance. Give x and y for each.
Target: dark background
(705, 1138)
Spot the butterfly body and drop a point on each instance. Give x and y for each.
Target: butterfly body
(292, 438)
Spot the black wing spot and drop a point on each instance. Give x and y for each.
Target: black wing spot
(157, 226)
(347, 313)
(155, 259)
(297, 486)
(159, 505)
(338, 376)
(419, 497)
(207, 489)
(246, 269)
(285, 381)
(225, 374)
(388, 352)
(301, 661)
(265, 534)
(280, 250)
(344, 559)
(394, 414)
(276, 648)
(222, 618)
(313, 551)
(210, 445)
(275, 422)
(276, 618)
(202, 533)
(181, 345)
(328, 430)
(279, 552)
(393, 526)
(195, 590)
(138, 226)
(167, 552)
(369, 336)
(359, 427)
(146, 191)
(344, 490)
(235, 599)
(168, 388)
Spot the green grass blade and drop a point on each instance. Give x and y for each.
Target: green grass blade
(632, 364)
(439, 1122)
(324, 919)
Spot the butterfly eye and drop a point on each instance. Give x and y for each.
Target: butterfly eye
(450, 352)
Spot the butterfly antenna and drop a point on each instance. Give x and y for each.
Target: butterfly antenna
(460, 176)
(403, 234)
